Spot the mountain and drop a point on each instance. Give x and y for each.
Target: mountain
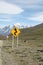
(32, 33)
(1, 32)
(5, 31)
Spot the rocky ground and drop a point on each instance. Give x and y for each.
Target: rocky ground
(28, 53)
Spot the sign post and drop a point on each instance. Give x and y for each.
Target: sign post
(17, 41)
(7, 38)
(15, 32)
(12, 42)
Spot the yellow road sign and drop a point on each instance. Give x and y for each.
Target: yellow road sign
(15, 31)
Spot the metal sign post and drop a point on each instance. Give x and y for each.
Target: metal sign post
(15, 32)
(12, 41)
(17, 41)
(7, 38)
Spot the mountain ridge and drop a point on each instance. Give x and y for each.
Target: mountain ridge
(32, 33)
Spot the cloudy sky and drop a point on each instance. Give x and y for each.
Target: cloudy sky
(21, 12)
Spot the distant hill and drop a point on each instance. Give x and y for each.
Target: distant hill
(32, 33)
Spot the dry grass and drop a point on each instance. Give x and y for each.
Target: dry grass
(28, 53)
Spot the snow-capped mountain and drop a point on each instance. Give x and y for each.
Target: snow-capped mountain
(5, 31)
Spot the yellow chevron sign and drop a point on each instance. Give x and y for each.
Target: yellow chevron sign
(15, 31)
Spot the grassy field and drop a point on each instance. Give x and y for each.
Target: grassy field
(27, 53)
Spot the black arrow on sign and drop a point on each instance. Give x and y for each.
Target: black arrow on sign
(15, 31)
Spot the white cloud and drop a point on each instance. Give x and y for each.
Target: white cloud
(26, 3)
(18, 25)
(37, 17)
(5, 20)
(7, 8)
